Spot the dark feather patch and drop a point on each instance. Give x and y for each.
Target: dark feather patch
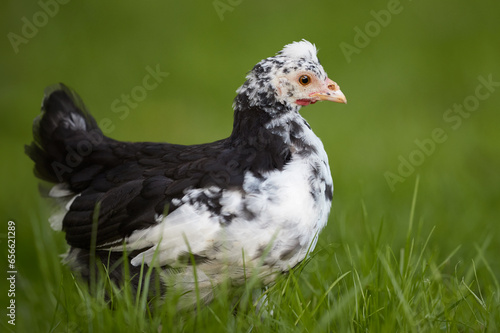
(135, 182)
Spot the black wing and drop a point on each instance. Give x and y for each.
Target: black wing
(124, 186)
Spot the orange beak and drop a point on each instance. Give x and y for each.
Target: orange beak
(331, 92)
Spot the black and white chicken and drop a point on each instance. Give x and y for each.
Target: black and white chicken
(252, 203)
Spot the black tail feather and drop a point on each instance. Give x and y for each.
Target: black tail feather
(64, 122)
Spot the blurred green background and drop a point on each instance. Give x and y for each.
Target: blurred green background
(399, 87)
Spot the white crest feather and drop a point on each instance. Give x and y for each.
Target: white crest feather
(302, 49)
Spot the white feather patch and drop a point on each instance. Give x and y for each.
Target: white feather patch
(56, 219)
(187, 229)
(60, 190)
(64, 198)
(76, 122)
(302, 49)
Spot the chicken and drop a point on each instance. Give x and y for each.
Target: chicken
(252, 203)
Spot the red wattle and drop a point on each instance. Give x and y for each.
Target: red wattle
(304, 101)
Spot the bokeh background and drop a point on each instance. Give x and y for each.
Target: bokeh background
(400, 79)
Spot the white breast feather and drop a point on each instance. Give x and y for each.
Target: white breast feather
(284, 213)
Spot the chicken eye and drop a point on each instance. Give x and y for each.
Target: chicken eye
(304, 80)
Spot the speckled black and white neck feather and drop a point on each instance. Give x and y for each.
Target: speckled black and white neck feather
(254, 202)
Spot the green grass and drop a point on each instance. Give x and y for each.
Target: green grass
(367, 286)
